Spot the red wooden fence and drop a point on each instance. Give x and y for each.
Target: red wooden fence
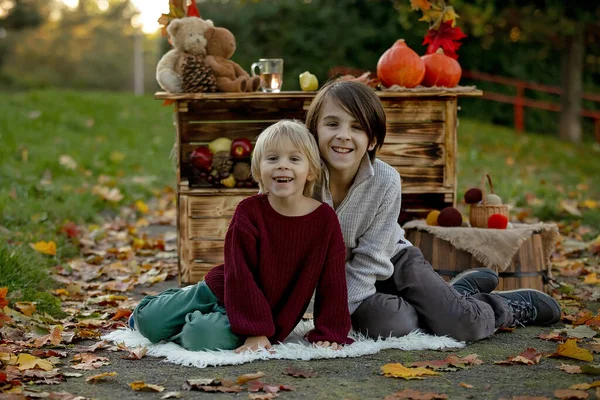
(520, 101)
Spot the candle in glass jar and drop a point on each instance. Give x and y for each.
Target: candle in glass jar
(271, 82)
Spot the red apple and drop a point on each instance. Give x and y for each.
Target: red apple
(201, 158)
(241, 148)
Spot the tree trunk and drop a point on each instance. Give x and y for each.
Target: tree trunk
(571, 84)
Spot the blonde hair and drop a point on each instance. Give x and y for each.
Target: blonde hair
(296, 132)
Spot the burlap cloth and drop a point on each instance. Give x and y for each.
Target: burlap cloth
(494, 248)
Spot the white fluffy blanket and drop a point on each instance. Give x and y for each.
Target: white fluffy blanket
(294, 348)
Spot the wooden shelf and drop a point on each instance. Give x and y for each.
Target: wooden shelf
(460, 91)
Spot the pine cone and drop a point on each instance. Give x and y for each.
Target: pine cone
(196, 76)
(222, 163)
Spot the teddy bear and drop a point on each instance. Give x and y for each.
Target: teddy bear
(230, 76)
(188, 38)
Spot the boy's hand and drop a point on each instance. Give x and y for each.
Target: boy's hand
(253, 343)
(331, 345)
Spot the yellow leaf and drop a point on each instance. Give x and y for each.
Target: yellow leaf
(25, 307)
(435, 16)
(591, 279)
(400, 371)
(27, 361)
(585, 386)
(96, 378)
(44, 247)
(591, 204)
(146, 387)
(141, 207)
(571, 350)
(422, 5)
(117, 157)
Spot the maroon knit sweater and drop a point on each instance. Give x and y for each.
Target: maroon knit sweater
(274, 263)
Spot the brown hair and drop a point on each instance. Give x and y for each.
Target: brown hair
(300, 137)
(357, 99)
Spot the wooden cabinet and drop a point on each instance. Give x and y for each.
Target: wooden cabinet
(420, 144)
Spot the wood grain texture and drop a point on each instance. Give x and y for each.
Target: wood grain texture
(216, 204)
(182, 240)
(414, 110)
(421, 177)
(412, 154)
(415, 132)
(204, 133)
(245, 109)
(207, 251)
(208, 228)
(451, 146)
(449, 261)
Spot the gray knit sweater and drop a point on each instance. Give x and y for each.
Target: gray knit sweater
(369, 220)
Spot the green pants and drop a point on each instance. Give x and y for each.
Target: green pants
(190, 317)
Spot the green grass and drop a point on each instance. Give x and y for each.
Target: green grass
(120, 140)
(115, 139)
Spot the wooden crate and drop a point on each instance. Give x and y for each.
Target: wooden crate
(528, 267)
(420, 144)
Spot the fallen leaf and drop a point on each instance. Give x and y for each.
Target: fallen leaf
(262, 396)
(3, 299)
(99, 377)
(53, 337)
(249, 377)
(580, 332)
(27, 361)
(134, 354)
(554, 336)
(570, 206)
(590, 369)
(43, 247)
(299, 373)
(67, 161)
(70, 229)
(450, 363)
(585, 386)
(412, 394)
(569, 394)
(528, 357)
(571, 350)
(571, 369)
(141, 386)
(400, 371)
(466, 385)
(113, 195)
(172, 395)
(25, 307)
(142, 207)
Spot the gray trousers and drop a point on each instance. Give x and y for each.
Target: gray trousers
(415, 296)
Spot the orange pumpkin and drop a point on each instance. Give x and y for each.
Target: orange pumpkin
(401, 66)
(441, 70)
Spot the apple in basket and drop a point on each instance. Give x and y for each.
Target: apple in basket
(201, 158)
(240, 148)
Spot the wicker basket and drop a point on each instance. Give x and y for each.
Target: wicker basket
(480, 213)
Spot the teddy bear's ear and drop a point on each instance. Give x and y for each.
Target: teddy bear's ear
(210, 23)
(174, 26)
(209, 33)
